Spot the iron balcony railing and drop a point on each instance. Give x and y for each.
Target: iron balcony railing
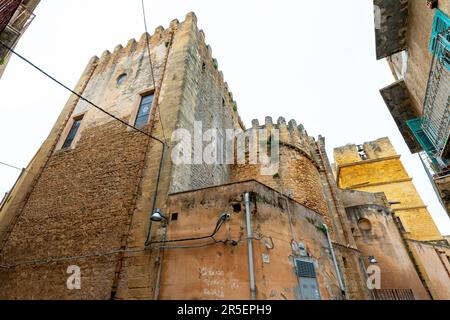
(434, 172)
(433, 167)
(436, 112)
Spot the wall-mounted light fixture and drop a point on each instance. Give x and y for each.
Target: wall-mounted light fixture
(157, 216)
(372, 259)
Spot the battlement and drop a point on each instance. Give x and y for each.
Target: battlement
(290, 133)
(132, 44)
(372, 150)
(160, 42)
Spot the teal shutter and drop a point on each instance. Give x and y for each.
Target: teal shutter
(416, 128)
(440, 24)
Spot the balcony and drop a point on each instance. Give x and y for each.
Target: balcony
(432, 130)
(436, 111)
(398, 100)
(16, 26)
(439, 176)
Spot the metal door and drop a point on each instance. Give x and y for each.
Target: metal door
(309, 288)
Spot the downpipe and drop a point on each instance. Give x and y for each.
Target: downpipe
(330, 246)
(250, 246)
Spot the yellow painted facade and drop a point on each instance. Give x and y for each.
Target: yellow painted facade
(376, 167)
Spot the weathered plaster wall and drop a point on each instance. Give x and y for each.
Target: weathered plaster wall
(381, 238)
(433, 262)
(221, 271)
(307, 175)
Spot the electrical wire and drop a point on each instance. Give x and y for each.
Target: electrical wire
(64, 258)
(80, 96)
(110, 253)
(151, 65)
(164, 144)
(148, 42)
(14, 167)
(219, 224)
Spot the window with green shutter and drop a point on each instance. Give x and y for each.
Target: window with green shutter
(421, 137)
(440, 24)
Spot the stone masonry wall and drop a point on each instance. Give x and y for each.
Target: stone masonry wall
(207, 101)
(78, 207)
(298, 171)
(85, 196)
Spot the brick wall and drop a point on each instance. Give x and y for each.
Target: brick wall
(78, 207)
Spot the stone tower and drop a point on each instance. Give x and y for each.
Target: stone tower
(376, 167)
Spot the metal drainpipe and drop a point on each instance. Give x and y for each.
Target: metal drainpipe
(330, 245)
(250, 246)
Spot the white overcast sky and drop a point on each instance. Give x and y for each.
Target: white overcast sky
(312, 61)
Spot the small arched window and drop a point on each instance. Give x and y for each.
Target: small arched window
(121, 79)
(364, 224)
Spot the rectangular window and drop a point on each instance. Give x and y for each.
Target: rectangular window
(144, 111)
(72, 133)
(441, 23)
